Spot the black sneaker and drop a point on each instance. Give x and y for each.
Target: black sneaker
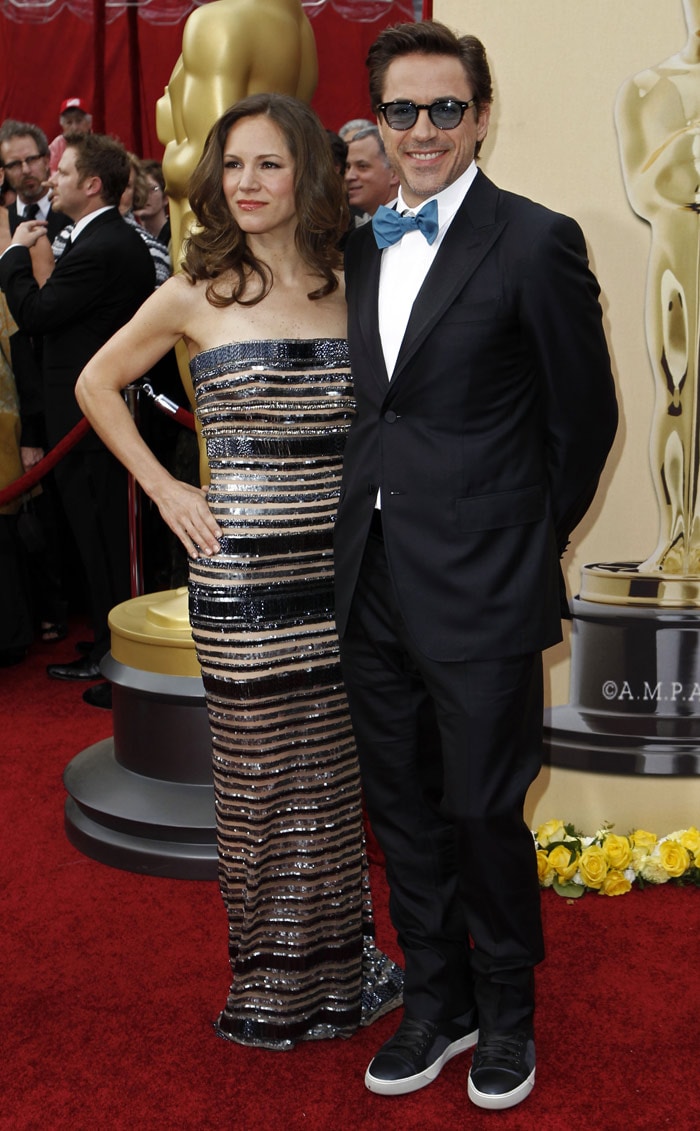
(417, 1052)
(503, 1070)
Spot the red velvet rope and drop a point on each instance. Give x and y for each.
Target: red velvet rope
(31, 478)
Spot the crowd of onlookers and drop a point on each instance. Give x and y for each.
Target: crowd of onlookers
(52, 318)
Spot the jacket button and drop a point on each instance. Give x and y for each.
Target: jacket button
(390, 416)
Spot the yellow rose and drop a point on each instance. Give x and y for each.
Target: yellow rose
(642, 839)
(545, 871)
(690, 839)
(674, 858)
(563, 861)
(615, 884)
(618, 852)
(593, 866)
(550, 832)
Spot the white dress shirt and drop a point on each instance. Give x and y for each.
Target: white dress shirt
(406, 263)
(44, 207)
(404, 267)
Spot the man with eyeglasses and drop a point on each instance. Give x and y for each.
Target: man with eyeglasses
(24, 152)
(486, 410)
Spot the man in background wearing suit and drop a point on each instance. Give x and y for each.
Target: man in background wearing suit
(24, 152)
(486, 410)
(103, 276)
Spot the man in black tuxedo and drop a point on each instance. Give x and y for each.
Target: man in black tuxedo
(486, 410)
(99, 282)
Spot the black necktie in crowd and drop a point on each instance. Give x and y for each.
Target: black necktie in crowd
(31, 212)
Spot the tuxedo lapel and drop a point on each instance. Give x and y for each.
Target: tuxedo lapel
(471, 235)
(90, 230)
(367, 270)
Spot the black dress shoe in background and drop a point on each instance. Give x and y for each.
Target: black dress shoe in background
(99, 695)
(503, 1070)
(418, 1052)
(84, 668)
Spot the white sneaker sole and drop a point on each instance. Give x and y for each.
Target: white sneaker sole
(507, 1099)
(421, 1079)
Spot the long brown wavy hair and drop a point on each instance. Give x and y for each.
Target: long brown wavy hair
(218, 245)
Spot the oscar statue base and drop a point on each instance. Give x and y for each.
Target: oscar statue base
(143, 800)
(634, 704)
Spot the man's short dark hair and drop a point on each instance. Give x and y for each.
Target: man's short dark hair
(97, 155)
(11, 129)
(429, 37)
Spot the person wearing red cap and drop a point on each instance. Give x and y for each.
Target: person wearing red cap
(74, 118)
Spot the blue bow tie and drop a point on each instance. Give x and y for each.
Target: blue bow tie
(389, 225)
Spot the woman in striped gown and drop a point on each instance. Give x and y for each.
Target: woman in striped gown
(260, 307)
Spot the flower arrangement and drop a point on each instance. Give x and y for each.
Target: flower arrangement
(573, 864)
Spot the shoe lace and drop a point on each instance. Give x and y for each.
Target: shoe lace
(504, 1050)
(414, 1036)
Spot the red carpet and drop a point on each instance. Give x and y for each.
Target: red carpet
(110, 982)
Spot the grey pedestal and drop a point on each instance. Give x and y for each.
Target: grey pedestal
(143, 800)
(635, 693)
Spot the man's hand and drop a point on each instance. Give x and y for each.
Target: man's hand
(31, 457)
(29, 232)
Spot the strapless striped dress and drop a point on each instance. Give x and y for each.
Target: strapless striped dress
(274, 416)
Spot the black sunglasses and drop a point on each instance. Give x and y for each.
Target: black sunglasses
(445, 113)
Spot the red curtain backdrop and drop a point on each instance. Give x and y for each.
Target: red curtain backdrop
(41, 64)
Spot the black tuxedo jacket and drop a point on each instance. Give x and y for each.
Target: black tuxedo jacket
(26, 353)
(96, 286)
(489, 439)
(56, 221)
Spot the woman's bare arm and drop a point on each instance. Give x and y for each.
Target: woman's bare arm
(133, 350)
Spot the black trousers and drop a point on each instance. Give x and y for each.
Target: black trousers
(93, 489)
(447, 752)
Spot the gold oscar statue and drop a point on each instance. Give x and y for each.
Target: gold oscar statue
(658, 122)
(230, 48)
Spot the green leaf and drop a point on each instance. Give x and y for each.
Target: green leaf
(570, 891)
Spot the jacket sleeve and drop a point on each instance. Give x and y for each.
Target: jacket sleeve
(563, 318)
(67, 293)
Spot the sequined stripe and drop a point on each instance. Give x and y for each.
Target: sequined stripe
(256, 665)
(263, 722)
(251, 607)
(254, 758)
(251, 1030)
(242, 690)
(316, 352)
(294, 445)
(306, 962)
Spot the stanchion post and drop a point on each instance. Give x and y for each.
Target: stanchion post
(132, 396)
